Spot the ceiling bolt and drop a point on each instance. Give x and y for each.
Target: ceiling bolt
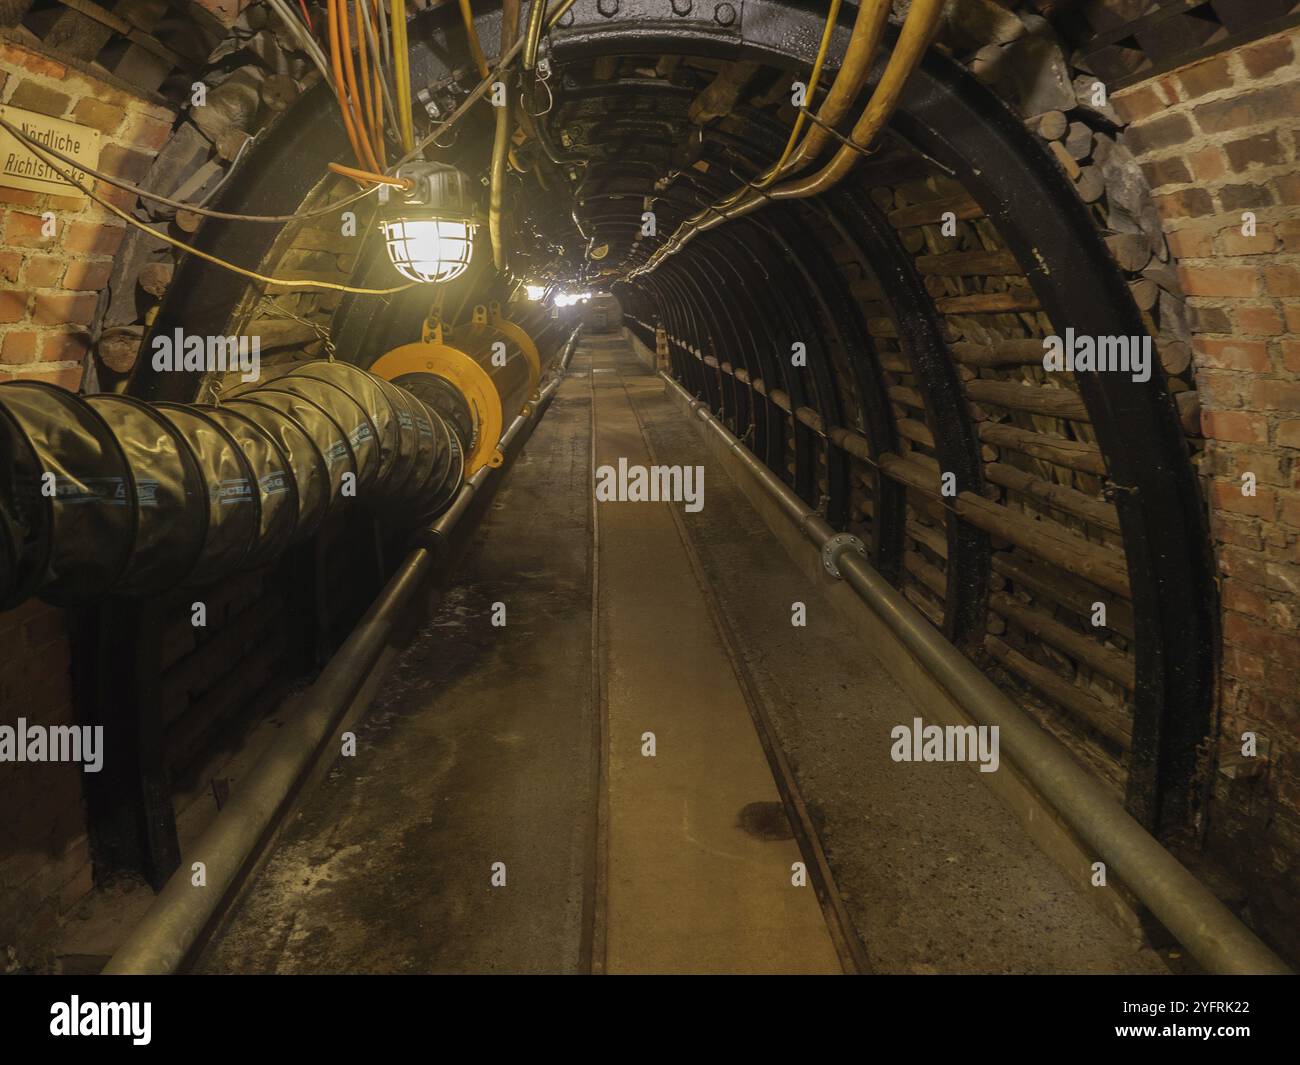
(724, 14)
(608, 8)
(682, 7)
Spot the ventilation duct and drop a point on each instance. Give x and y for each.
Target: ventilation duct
(104, 494)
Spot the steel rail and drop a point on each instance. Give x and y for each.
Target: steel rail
(1209, 931)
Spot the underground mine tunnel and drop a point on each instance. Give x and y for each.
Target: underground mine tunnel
(649, 486)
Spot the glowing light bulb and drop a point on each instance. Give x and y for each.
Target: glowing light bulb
(429, 250)
(535, 292)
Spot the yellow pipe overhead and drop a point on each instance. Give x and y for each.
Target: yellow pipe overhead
(918, 30)
(868, 28)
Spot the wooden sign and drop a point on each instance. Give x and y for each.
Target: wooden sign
(21, 168)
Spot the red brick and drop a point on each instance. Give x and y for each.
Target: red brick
(64, 347)
(1262, 320)
(146, 133)
(1221, 391)
(1282, 280)
(10, 263)
(99, 115)
(1206, 319)
(124, 162)
(1290, 511)
(94, 238)
(22, 197)
(1232, 242)
(1171, 171)
(1233, 354)
(1288, 432)
(1206, 77)
(1268, 466)
(1208, 164)
(1218, 280)
(1227, 495)
(1235, 530)
(1244, 197)
(19, 346)
(1275, 395)
(117, 196)
(1164, 131)
(1291, 312)
(13, 305)
(1185, 203)
(1291, 355)
(64, 309)
(37, 64)
(43, 271)
(1287, 187)
(1241, 631)
(1137, 104)
(1191, 243)
(1289, 230)
(1249, 109)
(1170, 88)
(1263, 149)
(1265, 57)
(1239, 663)
(24, 230)
(32, 96)
(1241, 597)
(1243, 427)
(82, 276)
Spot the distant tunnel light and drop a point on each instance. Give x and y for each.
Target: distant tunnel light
(535, 292)
(568, 299)
(430, 250)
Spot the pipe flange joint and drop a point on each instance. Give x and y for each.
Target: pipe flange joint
(835, 547)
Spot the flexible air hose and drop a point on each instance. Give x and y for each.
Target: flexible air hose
(104, 494)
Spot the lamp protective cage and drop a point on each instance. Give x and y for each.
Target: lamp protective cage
(429, 233)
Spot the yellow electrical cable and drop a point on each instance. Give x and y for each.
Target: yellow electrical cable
(868, 29)
(402, 75)
(330, 286)
(797, 130)
(918, 29)
(692, 224)
(475, 48)
(478, 92)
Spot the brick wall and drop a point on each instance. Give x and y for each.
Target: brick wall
(49, 290)
(1216, 139)
(50, 284)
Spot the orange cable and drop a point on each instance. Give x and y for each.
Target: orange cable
(366, 177)
(363, 60)
(350, 71)
(336, 63)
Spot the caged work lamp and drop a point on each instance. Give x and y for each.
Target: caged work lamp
(429, 227)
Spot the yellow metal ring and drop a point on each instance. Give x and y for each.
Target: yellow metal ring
(468, 378)
(522, 341)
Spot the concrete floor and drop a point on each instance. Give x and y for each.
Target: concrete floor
(523, 744)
